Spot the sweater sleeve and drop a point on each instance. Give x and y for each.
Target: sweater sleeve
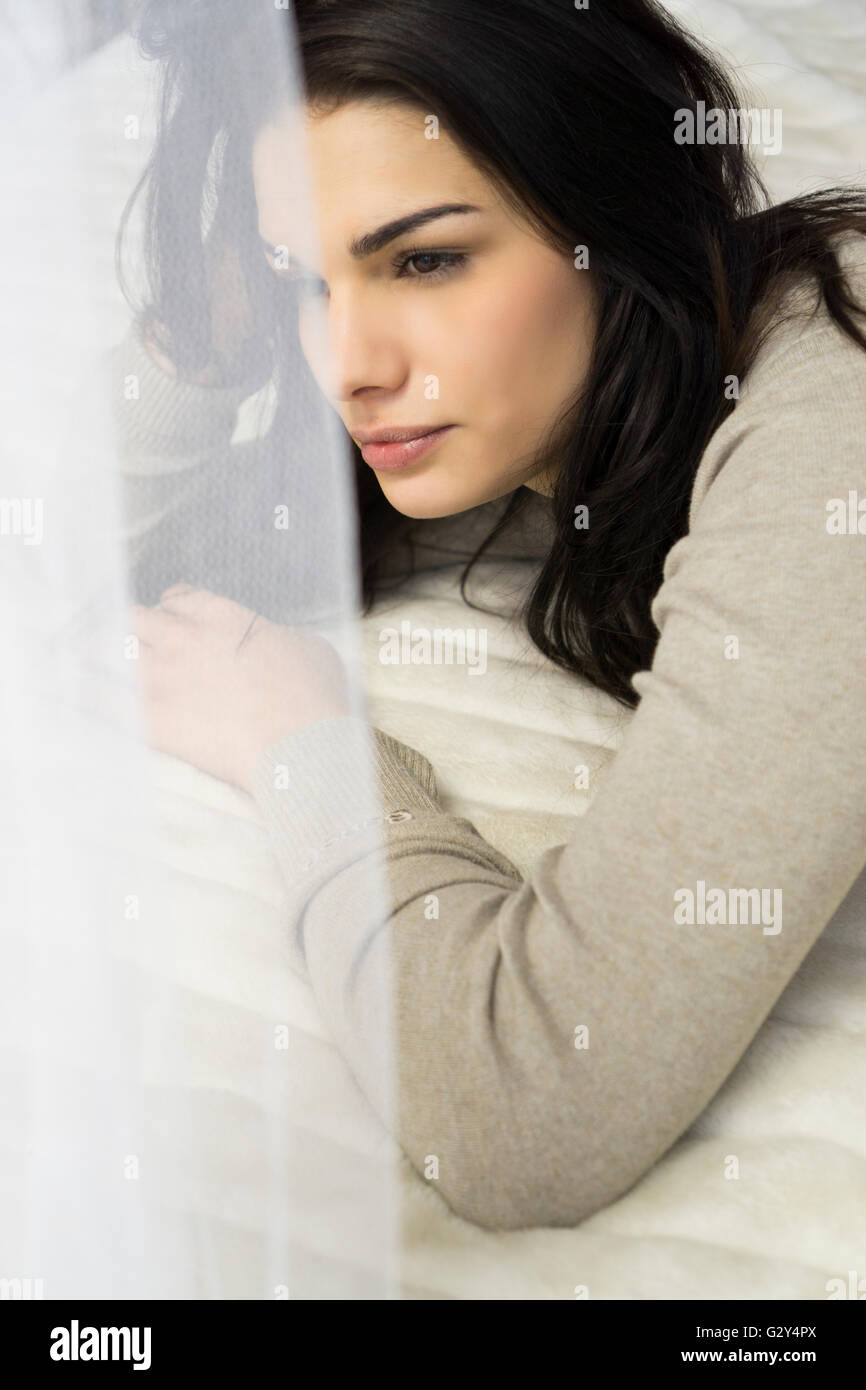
(167, 434)
(555, 1035)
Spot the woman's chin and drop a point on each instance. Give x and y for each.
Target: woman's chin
(424, 498)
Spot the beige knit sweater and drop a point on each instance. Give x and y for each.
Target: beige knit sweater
(556, 1034)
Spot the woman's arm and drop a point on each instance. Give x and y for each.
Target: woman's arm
(556, 1035)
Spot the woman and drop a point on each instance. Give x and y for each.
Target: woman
(617, 331)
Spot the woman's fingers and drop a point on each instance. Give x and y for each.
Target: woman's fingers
(153, 625)
(220, 618)
(131, 636)
(174, 592)
(188, 601)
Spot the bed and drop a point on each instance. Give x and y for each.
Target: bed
(765, 1196)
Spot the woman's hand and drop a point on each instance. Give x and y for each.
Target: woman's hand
(221, 683)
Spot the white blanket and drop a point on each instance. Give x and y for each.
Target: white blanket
(765, 1196)
(791, 1120)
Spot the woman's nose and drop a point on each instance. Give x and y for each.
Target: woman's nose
(355, 348)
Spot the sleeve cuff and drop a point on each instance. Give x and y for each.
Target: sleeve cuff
(336, 779)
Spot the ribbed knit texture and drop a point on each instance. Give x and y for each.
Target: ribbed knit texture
(177, 423)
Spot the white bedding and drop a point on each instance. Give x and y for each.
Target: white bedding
(793, 1113)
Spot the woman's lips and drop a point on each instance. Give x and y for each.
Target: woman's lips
(400, 455)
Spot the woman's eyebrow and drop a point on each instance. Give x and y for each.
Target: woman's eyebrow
(374, 241)
(362, 247)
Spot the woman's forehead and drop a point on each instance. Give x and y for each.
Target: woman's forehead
(368, 167)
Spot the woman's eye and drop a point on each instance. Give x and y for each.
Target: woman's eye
(443, 263)
(428, 265)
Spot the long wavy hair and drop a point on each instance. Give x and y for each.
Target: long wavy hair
(572, 114)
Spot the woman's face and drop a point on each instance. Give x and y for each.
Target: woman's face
(467, 321)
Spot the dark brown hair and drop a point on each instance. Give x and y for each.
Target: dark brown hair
(572, 113)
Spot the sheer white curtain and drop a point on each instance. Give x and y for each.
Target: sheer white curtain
(162, 1135)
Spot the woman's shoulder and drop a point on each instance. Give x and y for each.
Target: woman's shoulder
(801, 409)
(800, 324)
